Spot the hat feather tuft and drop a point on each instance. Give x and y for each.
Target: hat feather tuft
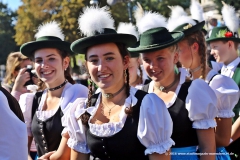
(95, 19)
(151, 20)
(127, 28)
(139, 12)
(196, 11)
(50, 29)
(230, 18)
(177, 11)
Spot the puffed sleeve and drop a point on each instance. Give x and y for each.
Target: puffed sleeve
(72, 93)
(25, 102)
(227, 93)
(75, 128)
(201, 105)
(155, 125)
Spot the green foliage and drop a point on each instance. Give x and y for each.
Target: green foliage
(7, 17)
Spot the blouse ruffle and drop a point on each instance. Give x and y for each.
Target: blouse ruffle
(155, 132)
(227, 93)
(201, 105)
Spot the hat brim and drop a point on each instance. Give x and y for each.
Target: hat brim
(177, 36)
(197, 27)
(223, 39)
(80, 46)
(28, 48)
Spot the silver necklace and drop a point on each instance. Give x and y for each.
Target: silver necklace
(165, 89)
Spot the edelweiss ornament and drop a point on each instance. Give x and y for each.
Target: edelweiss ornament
(97, 25)
(49, 35)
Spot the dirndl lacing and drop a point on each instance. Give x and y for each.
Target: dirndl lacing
(222, 154)
(184, 153)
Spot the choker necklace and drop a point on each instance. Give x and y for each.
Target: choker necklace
(195, 69)
(165, 89)
(60, 86)
(110, 95)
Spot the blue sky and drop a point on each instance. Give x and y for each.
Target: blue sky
(13, 4)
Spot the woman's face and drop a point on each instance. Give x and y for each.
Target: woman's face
(159, 65)
(106, 66)
(133, 69)
(23, 64)
(185, 55)
(50, 66)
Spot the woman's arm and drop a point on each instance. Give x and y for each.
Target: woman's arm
(236, 129)
(156, 156)
(223, 131)
(63, 152)
(78, 156)
(206, 140)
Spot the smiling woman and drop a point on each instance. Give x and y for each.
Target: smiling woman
(43, 111)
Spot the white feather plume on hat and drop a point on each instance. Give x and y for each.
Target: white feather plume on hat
(50, 29)
(230, 18)
(127, 28)
(174, 23)
(95, 19)
(151, 20)
(196, 11)
(177, 11)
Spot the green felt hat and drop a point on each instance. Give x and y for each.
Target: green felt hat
(222, 33)
(107, 36)
(188, 28)
(156, 39)
(45, 42)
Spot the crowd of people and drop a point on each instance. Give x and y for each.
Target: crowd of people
(150, 91)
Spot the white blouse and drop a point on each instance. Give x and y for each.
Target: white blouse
(227, 93)
(200, 102)
(154, 128)
(70, 94)
(230, 68)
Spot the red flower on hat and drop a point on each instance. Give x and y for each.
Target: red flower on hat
(228, 34)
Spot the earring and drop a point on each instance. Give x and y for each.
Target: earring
(125, 73)
(65, 69)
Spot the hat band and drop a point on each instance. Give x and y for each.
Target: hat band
(158, 44)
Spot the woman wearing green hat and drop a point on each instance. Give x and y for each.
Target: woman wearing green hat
(192, 114)
(120, 122)
(192, 55)
(43, 111)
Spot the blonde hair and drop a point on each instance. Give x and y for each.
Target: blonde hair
(13, 64)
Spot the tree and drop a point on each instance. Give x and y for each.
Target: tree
(7, 17)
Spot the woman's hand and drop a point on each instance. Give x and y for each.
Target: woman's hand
(20, 80)
(46, 156)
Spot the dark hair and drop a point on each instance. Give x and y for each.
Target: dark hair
(141, 73)
(67, 73)
(198, 37)
(128, 110)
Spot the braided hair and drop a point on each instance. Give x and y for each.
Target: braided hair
(198, 37)
(124, 52)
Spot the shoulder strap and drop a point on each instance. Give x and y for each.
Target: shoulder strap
(147, 81)
(13, 104)
(236, 75)
(212, 78)
(140, 95)
(145, 87)
(36, 100)
(94, 99)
